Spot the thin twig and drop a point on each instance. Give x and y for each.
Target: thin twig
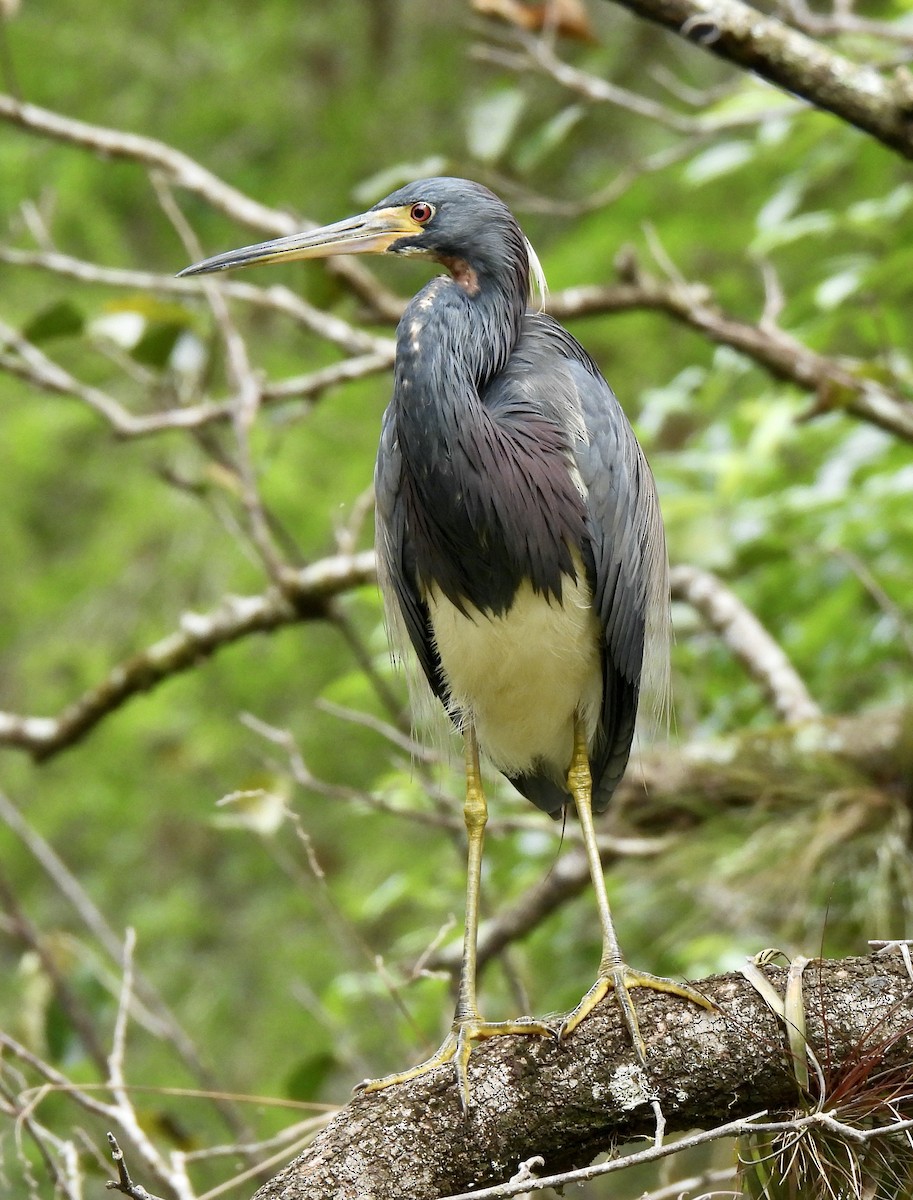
(638, 1158)
(276, 298)
(124, 1184)
(539, 54)
(836, 24)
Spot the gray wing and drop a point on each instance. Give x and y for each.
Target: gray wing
(626, 559)
(406, 612)
(623, 546)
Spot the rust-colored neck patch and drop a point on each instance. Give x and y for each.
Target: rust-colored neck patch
(462, 273)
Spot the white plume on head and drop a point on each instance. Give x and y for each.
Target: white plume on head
(538, 288)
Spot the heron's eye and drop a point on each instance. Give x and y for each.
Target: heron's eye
(421, 213)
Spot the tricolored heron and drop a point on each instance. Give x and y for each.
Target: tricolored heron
(520, 543)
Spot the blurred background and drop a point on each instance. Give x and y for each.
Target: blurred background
(311, 913)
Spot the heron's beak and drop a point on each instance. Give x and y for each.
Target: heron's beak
(369, 233)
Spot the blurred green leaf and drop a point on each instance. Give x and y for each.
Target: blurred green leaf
(719, 160)
(156, 345)
(306, 1079)
(491, 122)
(548, 137)
(61, 319)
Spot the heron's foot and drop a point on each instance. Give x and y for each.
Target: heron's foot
(621, 979)
(457, 1048)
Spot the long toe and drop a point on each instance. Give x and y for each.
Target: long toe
(457, 1048)
(621, 980)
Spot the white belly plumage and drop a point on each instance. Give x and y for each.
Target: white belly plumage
(520, 677)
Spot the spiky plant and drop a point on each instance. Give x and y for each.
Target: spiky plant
(850, 1144)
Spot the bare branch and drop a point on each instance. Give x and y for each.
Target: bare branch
(148, 152)
(200, 635)
(836, 383)
(156, 1014)
(567, 878)
(836, 23)
(78, 1015)
(185, 172)
(307, 593)
(661, 790)
(124, 1184)
(748, 640)
(31, 364)
(875, 102)
(34, 367)
(55, 1078)
(276, 298)
(539, 54)
(315, 383)
(246, 406)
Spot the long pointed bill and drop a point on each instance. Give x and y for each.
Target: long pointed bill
(369, 233)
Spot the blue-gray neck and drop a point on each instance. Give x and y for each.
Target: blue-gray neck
(473, 449)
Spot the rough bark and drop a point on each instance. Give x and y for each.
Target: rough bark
(569, 1102)
(878, 102)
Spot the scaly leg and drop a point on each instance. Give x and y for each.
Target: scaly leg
(468, 1026)
(614, 974)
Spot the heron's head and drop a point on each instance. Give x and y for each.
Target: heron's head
(455, 222)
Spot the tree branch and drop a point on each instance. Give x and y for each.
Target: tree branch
(841, 20)
(185, 172)
(880, 104)
(748, 640)
(276, 298)
(305, 596)
(835, 383)
(569, 1102)
(539, 54)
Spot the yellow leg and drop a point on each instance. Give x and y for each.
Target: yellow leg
(468, 1026)
(614, 974)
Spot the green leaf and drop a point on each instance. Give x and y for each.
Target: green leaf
(718, 160)
(155, 346)
(61, 319)
(491, 123)
(307, 1077)
(549, 137)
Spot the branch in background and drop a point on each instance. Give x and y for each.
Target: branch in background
(185, 172)
(246, 383)
(34, 367)
(156, 1015)
(836, 383)
(744, 635)
(539, 55)
(842, 21)
(878, 103)
(199, 636)
(31, 938)
(569, 1102)
(305, 595)
(567, 878)
(277, 298)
